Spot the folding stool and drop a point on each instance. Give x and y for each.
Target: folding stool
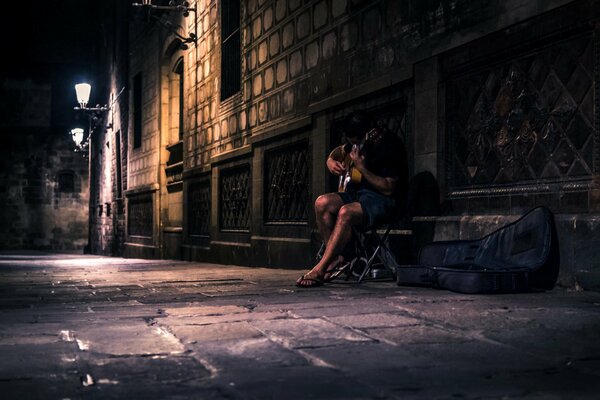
(368, 248)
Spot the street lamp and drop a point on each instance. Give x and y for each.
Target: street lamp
(77, 136)
(83, 91)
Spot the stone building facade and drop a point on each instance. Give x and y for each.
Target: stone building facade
(228, 112)
(44, 181)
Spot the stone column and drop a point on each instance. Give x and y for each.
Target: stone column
(426, 142)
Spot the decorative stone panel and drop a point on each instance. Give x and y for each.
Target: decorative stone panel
(140, 215)
(287, 184)
(199, 209)
(234, 205)
(528, 120)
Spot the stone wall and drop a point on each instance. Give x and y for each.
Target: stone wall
(43, 192)
(110, 137)
(494, 101)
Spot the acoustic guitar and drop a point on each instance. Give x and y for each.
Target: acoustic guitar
(353, 176)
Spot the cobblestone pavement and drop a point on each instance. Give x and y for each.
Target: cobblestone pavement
(95, 327)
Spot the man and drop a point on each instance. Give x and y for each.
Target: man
(380, 157)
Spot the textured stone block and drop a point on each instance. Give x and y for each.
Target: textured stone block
(384, 58)
(303, 25)
(233, 123)
(329, 45)
(243, 120)
(312, 54)
(256, 28)
(253, 116)
(262, 111)
(251, 6)
(296, 64)
(320, 15)
(280, 8)
(225, 128)
(252, 59)
(248, 90)
(269, 78)
(274, 106)
(263, 52)
(288, 35)
(349, 35)
(268, 19)
(274, 44)
(371, 24)
(282, 71)
(257, 85)
(294, 4)
(288, 100)
(338, 7)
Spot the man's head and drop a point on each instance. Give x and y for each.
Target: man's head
(356, 125)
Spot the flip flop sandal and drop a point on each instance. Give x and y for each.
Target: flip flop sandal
(312, 282)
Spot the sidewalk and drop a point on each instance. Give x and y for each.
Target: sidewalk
(95, 327)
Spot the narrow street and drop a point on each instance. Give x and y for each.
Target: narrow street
(94, 327)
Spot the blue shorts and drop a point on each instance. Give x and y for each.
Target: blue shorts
(376, 207)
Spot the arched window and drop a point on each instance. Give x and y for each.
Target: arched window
(178, 88)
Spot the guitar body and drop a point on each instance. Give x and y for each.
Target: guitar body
(351, 177)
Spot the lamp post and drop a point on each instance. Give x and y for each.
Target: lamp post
(83, 91)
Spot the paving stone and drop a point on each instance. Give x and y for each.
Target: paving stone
(141, 371)
(191, 310)
(48, 387)
(135, 337)
(374, 320)
(296, 383)
(215, 332)
(116, 328)
(21, 362)
(406, 335)
(371, 356)
(247, 353)
(216, 319)
(315, 332)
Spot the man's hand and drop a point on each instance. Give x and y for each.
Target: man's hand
(335, 167)
(357, 159)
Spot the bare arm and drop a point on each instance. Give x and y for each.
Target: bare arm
(384, 185)
(335, 161)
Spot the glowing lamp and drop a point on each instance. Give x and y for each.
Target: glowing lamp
(83, 91)
(77, 135)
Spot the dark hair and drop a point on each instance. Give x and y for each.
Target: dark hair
(357, 124)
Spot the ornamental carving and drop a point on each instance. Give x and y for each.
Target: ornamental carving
(199, 209)
(234, 207)
(139, 216)
(527, 120)
(286, 185)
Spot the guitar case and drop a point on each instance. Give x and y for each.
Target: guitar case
(518, 257)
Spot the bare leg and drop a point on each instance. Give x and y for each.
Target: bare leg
(349, 215)
(327, 207)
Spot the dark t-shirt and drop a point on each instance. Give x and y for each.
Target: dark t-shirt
(387, 158)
